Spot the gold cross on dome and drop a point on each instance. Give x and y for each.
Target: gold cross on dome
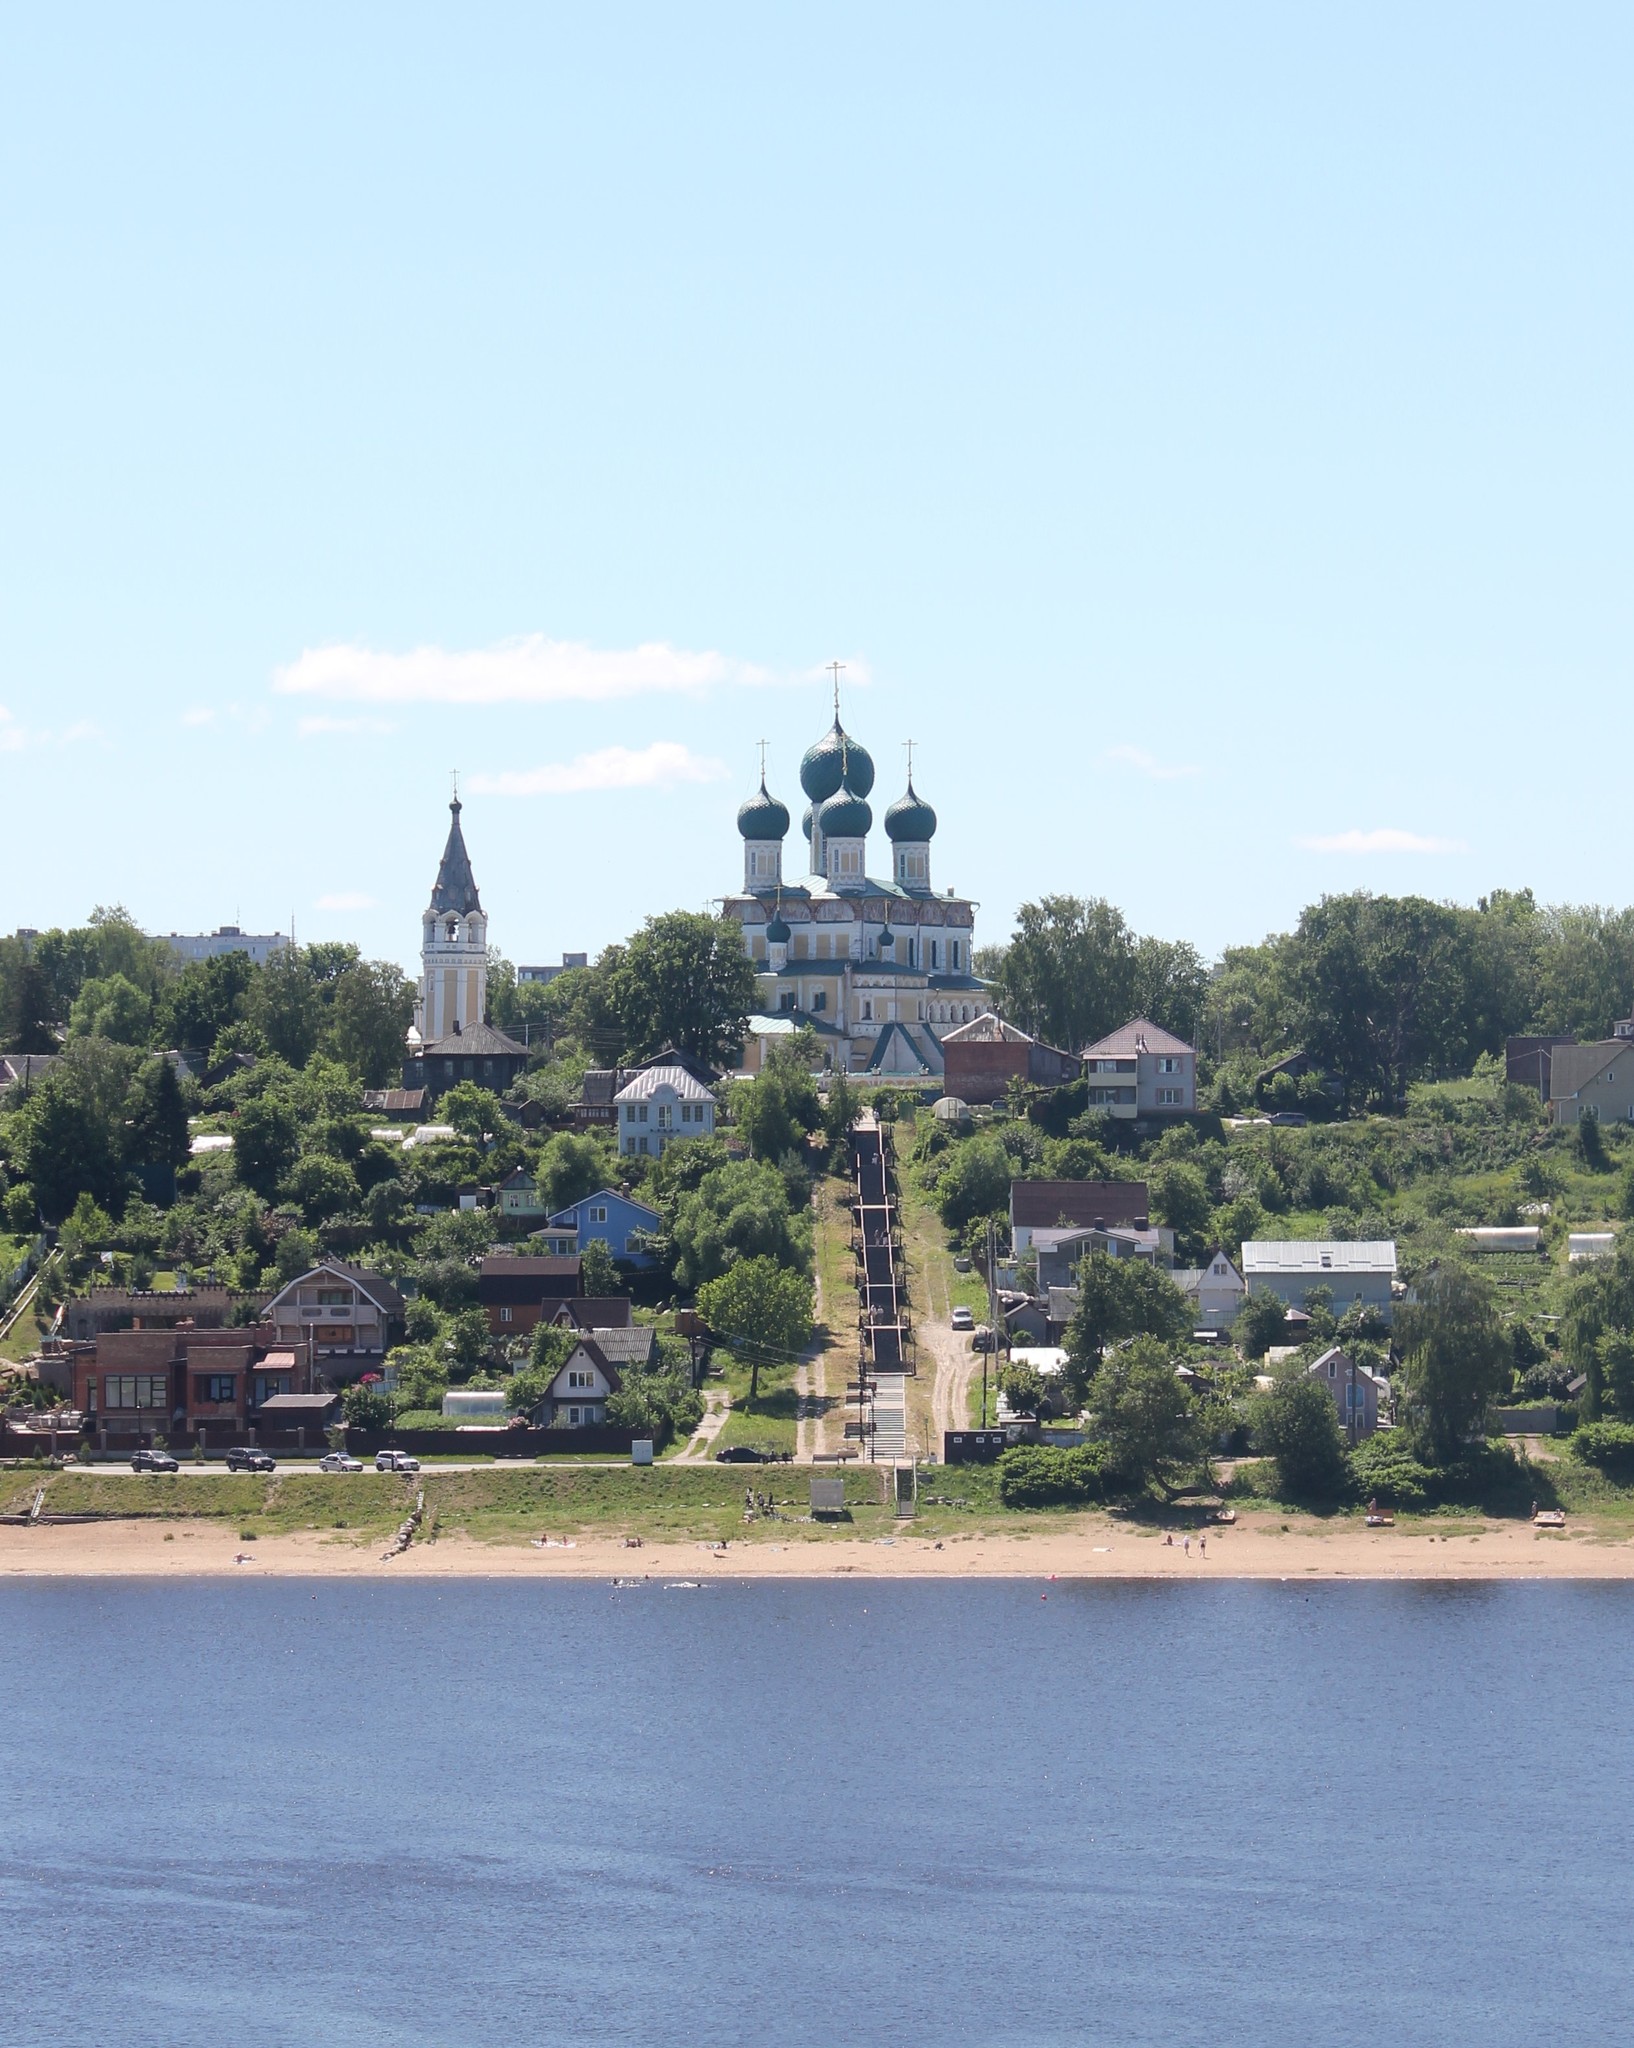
(762, 746)
(836, 669)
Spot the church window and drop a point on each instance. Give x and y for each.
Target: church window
(819, 1000)
(934, 961)
(867, 1011)
(953, 953)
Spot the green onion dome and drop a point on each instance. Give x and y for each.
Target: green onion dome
(844, 817)
(823, 768)
(836, 762)
(763, 817)
(910, 818)
(777, 932)
(805, 823)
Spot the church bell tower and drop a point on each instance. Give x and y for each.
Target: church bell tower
(453, 946)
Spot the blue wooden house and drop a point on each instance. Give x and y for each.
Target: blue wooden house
(614, 1219)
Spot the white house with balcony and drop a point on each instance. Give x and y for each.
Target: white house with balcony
(344, 1312)
(659, 1105)
(1141, 1070)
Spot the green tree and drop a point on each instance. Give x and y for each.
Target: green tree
(1068, 973)
(370, 1009)
(685, 980)
(1384, 990)
(1262, 1321)
(761, 1311)
(68, 1136)
(156, 1118)
(295, 1253)
(1457, 1360)
(25, 1000)
(975, 1181)
(1614, 1354)
(1144, 1414)
(598, 1273)
(660, 1405)
(204, 999)
(365, 1407)
(739, 1211)
(113, 1008)
(321, 1188)
(474, 1111)
(1591, 1146)
(284, 1008)
(1297, 1423)
(1180, 1199)
(573, 1165)
(1118, 1299)
(1024, 1387)
(266, 1138)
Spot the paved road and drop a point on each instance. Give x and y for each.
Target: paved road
(121, 1467)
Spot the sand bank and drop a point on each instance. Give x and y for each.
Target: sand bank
(1256, 1548)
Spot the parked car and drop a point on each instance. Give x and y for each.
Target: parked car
(337, 1461)
(963, 1319)
(246, 1458)
(153, 1461)
(962, 1263)
(395, 1461)
(746, 1454)
(982, 1339)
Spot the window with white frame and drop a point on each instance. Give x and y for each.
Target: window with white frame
(598, 1213)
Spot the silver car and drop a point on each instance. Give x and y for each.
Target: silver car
(337, 1461)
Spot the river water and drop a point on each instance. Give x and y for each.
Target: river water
(292, 1812)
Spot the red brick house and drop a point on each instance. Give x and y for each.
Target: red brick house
(980, 1060)
(189, 1385)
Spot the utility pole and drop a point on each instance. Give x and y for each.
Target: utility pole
(992, 1312)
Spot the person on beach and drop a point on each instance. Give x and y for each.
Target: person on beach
(1186, 1545)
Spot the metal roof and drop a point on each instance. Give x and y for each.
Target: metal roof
(1140, 1034)
(1310, 1255)
(456, 888)
(647, 1083)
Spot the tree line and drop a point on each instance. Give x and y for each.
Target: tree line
(1376, 991)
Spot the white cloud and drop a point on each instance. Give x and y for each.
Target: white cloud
(345, 899)
(660, 766)
(310, 728)
(14, 737)
(1148, 764)
(529, 670)
(1382, 839)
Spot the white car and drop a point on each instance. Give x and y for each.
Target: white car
(337, 1461)
(395, 1461)
(963, 1319)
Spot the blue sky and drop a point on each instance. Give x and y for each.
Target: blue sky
(1204, 431)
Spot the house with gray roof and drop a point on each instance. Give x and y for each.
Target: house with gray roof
(1291, 1268)
(1593, 1080)
(1141, 1070)
(660, 1104)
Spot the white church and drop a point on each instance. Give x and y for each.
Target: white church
(880, 968)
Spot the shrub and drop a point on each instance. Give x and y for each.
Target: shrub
(1298, 1424)
(1608, 1446)
(1383, 1469)
(1048, 1476)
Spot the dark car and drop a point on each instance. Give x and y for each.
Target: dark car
(246, 1458)
(153, 1461)
(746, 1454)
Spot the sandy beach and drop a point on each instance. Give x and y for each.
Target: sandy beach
(1256, 1548)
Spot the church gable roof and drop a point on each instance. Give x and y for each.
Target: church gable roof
(456, 887)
